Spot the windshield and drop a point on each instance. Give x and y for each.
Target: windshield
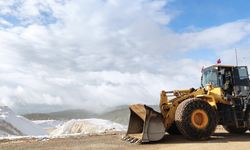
(210, 77)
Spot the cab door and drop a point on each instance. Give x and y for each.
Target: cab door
(241, 80)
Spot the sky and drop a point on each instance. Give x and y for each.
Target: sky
(98, 54)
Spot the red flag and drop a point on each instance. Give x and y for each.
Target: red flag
(218, 61)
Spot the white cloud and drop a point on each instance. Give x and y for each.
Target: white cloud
(97, 54)
(3, 22)
(222, 36)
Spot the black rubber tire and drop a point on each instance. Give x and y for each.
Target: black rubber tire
(173, 130)
(248, 117)
(234, 130)
(184, 123)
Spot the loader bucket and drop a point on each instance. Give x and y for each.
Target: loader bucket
(145, 125)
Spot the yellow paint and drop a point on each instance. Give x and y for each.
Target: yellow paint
(212, 95)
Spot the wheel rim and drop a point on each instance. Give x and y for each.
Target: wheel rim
(199, 118)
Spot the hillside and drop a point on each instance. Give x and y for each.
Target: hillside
(61, 115)
(118, 114)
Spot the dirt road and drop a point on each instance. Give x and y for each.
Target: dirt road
(220, 141)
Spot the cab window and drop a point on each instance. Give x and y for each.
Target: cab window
(210, 77)
(243, 73)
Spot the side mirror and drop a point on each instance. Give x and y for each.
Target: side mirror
(202, 81)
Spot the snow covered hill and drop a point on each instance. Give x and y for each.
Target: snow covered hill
(87, 126)
(12, 125)
(48, 124)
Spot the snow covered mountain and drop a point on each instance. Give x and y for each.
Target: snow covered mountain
(13, 125)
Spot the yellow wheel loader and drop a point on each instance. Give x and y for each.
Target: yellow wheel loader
(223, 99)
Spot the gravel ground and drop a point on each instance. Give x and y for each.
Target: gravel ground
(220, 140)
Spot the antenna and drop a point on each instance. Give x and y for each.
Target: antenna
(236, 57)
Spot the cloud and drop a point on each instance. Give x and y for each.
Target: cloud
(222, 36)
(5, 23)
(96, 54)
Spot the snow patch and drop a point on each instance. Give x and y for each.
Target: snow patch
(13, 125)
(87, 126)
(48, 124)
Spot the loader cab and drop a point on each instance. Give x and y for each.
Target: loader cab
(234, 80)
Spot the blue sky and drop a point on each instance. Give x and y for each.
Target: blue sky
(195, 15)
(189, 14)
(97, 54)
(200, 14)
